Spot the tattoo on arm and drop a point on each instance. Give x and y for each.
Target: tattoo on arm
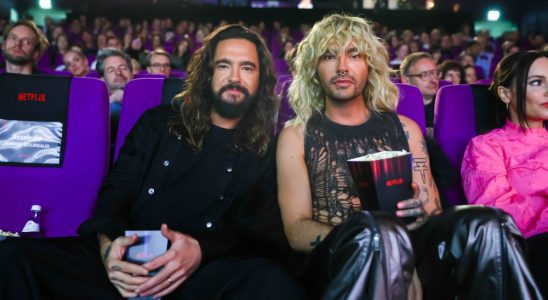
(419, 164)
(316, 242)
(424, 195)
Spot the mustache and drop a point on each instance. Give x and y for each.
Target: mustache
(234, 86)
(346, 76)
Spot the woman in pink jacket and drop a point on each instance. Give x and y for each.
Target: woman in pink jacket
(508, 167)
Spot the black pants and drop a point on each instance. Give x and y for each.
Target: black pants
(70, 268)
(468, 252)
(369, 256)
(537, 254)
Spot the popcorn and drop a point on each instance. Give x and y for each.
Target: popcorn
(7, 233)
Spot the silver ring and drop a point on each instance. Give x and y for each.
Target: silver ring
(169, 280)
(341, 73)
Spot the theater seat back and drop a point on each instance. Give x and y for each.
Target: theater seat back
(67, 190)
(140, 95)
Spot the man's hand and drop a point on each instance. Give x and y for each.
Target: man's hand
(125, 276)
(117, 95)
(412, 208)
(179, 262)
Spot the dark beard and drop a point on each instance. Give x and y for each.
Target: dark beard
(17, 60)
(232, 110)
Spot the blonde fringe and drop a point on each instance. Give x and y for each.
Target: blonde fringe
(305, 93)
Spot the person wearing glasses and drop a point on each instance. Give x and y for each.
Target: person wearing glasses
(159, 62)
(419, 69)
(23, 45)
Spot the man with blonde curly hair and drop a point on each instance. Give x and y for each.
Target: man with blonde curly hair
(345, 107)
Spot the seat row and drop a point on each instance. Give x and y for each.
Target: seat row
(67, 187)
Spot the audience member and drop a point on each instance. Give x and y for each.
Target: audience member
(402, 50)
(452, 71)
(470, 74)
(507, 167)
(137, 50)
(76, 62)
(88, 44)
(466, 59)
(435, 52)
(23, 45)
(159, 62)
(509, 47)
(345, 107)
(58, 51)
(136, 67)
(115, 68)
(177, 165)
(114, 42)
(182, 53)
(419, 69)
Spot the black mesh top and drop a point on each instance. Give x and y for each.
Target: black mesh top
(327, 147)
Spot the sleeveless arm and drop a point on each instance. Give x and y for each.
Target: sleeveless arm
(294, 193)
(422, 175)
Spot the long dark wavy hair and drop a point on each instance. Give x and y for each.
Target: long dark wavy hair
(256, 127)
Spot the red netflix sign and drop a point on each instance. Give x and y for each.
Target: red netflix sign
(34, 97)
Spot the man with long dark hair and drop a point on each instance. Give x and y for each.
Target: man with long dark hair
(204, 173)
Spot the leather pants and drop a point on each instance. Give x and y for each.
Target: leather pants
(466, 252)
(369, 256)
(472, 252)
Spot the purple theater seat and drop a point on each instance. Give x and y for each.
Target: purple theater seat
(140, 95)
(280, 66)
(67, 193)
(454, 127)
(411, 104)
(461, 112)
(93, 74)
(395, 79)
(44, 63)
(444, 83)
(285, 112)
(280, 83)
(144, 74)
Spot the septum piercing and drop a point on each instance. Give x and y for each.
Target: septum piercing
(341, 73)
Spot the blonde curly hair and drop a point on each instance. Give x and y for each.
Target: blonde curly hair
(306, 94)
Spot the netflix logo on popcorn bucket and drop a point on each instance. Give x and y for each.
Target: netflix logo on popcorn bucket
(382, 179)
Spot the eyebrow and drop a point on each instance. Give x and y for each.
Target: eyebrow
(352, 50)
(536, 76)
(228, 61)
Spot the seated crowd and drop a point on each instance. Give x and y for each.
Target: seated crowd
(241, 206)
